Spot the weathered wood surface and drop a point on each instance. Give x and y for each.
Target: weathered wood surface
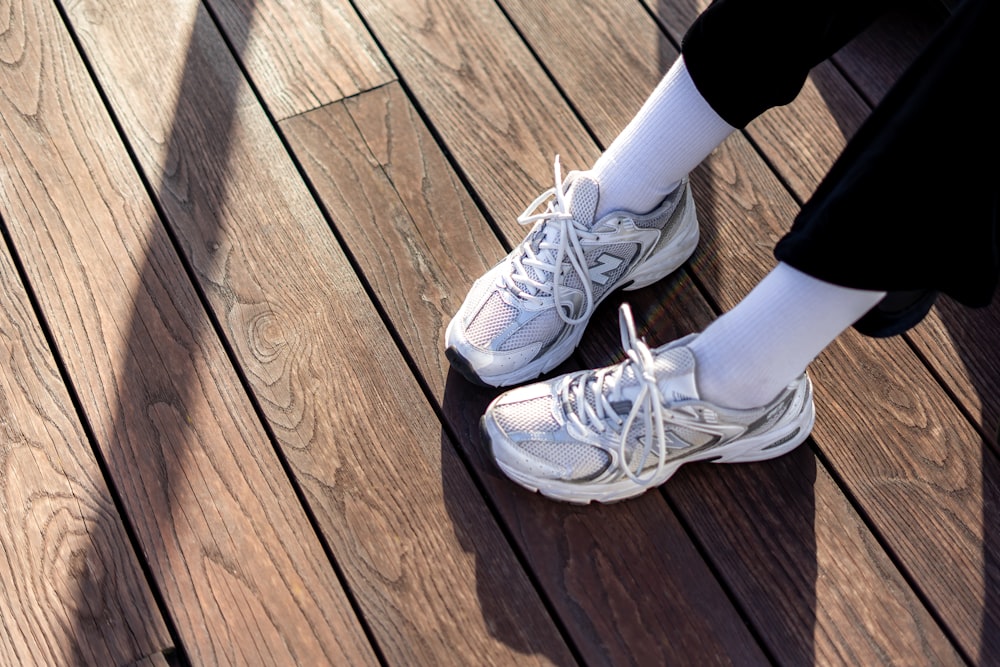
(236, 232)
(231, 550)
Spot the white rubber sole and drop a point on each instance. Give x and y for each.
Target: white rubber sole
(769, 445)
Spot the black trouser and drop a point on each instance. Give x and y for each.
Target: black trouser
(910, 206)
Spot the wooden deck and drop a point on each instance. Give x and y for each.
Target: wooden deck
(233, 232)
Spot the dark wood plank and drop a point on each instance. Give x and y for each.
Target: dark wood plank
(72, 590)
(232, 552)
(302, 54)
(417, 255)
(878, 56)
(154, 660)
(412, 535)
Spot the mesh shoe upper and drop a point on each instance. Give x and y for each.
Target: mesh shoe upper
(610, 433)
(527, 313)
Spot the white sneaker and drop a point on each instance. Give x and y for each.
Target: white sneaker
(612, 433)
(526, 315)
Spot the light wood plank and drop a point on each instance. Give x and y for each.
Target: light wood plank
(426, 563)
(72, 589)
(234, 556)
(470, 73)
(302, 54)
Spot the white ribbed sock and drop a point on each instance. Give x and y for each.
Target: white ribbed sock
(749, 354)
(673, 132)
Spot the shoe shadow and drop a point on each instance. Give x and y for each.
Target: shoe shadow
(610, 581)
(506, 596)
(754, 522)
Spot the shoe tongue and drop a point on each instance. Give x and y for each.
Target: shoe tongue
(581, 202)
(582, 198)
(674, 372)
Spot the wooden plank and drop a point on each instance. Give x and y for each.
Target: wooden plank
(426, 563)
(376, 216)
(72, 589)
(876, 58)
(961, 346)
(234, 556)
(472, 74)
(302, 54)
(425, 243)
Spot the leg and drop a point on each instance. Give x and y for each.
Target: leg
(916, 184)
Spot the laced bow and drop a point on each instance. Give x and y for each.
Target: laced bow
(560, 240)
(607, 387)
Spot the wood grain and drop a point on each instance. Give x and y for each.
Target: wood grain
(302, 54)
(404, 270)
(961, 346)
(411, 534)
(468, 70)
(231, 550)
(72, 589)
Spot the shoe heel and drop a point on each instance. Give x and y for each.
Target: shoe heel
(777, 444)
(673, 254)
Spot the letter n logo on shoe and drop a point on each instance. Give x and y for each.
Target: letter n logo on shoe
(605, 264)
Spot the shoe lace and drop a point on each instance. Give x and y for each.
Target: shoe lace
(606, 386)
(560, 243)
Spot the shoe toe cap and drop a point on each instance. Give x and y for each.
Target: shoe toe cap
(488, 366)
